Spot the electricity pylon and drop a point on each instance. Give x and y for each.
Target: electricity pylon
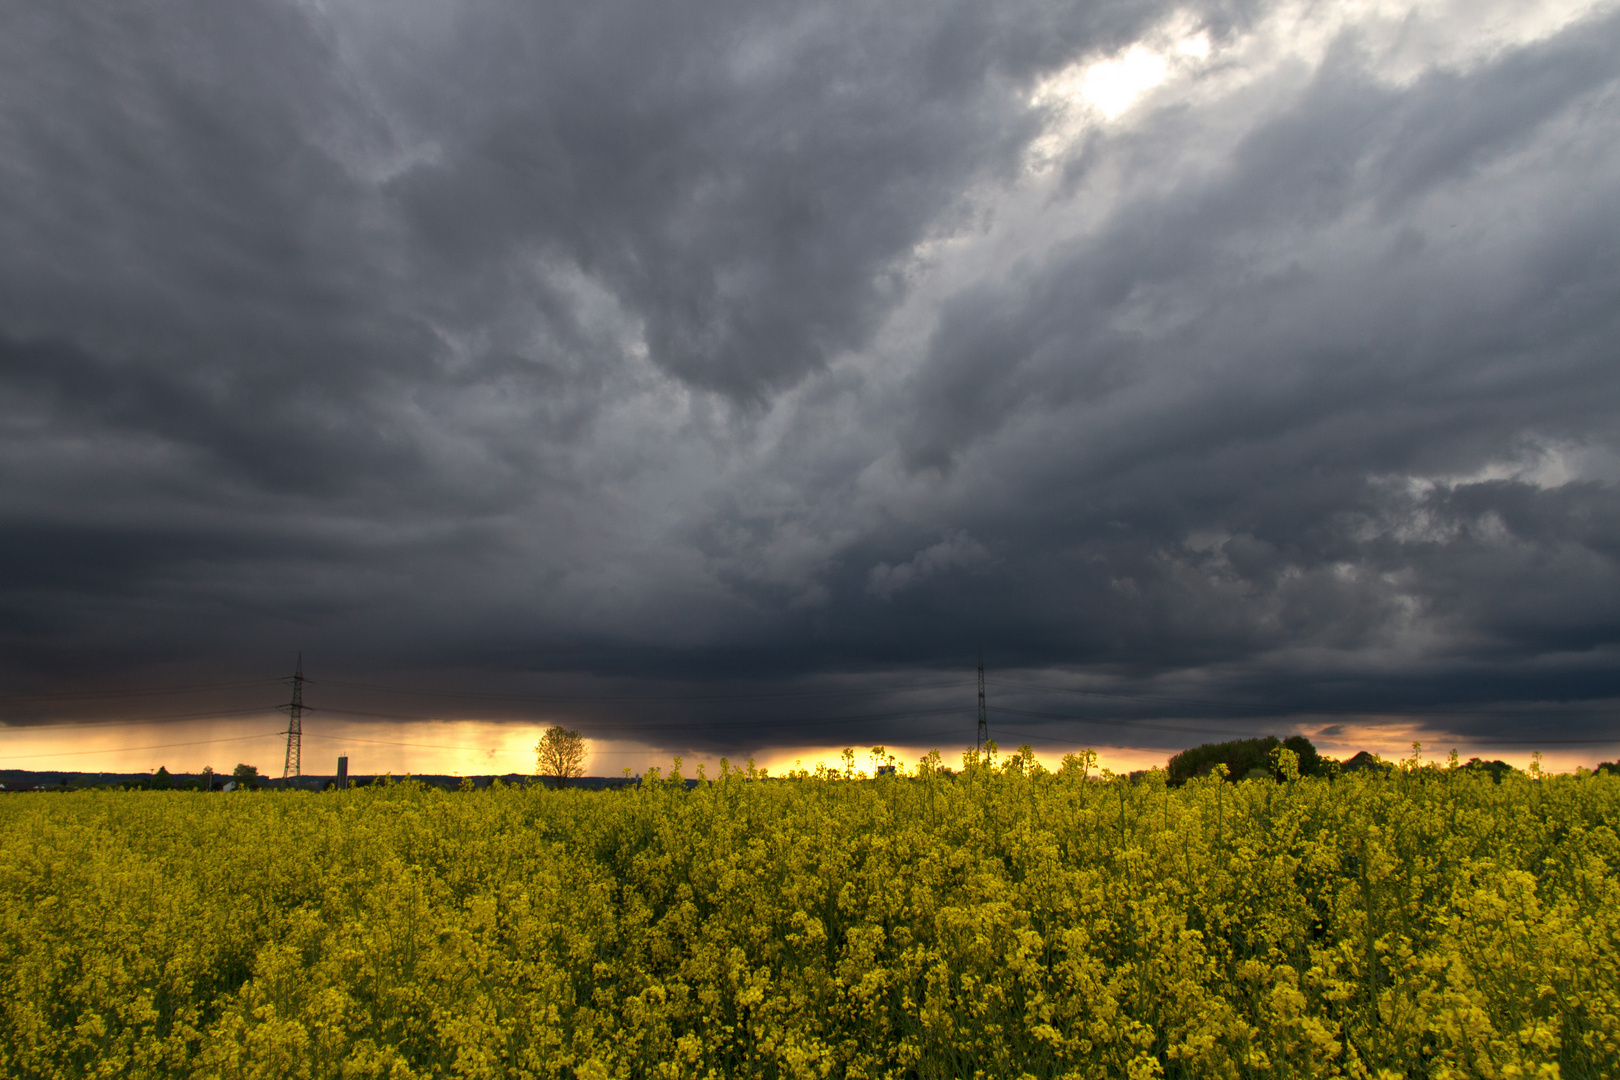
(295, 724)
(984, 722)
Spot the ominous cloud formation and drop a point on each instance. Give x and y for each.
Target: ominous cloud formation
(1241, 360)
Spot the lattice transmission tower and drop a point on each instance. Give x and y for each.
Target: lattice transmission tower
(295, 724)
(984, 721)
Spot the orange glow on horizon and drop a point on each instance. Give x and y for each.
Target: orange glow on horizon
(475, 747)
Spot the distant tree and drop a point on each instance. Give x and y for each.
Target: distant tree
(1245, 759)
(161, 780)
(1240, 756)
(246, 776)
(1497, 769)
(1608, 767)
(560, 754)
(1310, 762)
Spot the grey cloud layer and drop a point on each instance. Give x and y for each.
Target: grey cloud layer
(746, 340)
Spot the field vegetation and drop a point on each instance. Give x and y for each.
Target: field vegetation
(1004, 921)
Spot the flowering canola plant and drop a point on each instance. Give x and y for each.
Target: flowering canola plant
(1004, 921)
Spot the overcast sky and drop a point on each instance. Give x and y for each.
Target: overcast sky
(1255, 363)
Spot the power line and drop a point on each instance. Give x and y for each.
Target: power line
(503, 749)
(1148, 725)
(1134, 724)
(419, 746)
(1150, 699)
(656, 724)
(1250, 707)
(132, 749)
(629, 699)
(148, 691)
(139, 721)
(1065, 742)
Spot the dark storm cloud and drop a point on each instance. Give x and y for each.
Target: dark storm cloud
(811, 346)
(741, 176)
(1268, 405)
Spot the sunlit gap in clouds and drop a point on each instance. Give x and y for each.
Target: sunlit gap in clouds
(1110, 85)
(1179, 60)
(1099, 90)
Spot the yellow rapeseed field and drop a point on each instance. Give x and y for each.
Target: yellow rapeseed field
(1006, 921)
